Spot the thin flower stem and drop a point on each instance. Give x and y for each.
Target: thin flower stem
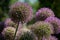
(16, 30)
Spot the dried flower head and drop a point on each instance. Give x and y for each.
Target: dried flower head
(55, 22)
(21, 12)
(43, 13)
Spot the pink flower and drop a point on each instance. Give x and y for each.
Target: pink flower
(55, 22)
(21, 12)
(43, 13)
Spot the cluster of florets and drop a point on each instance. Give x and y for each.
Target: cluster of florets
(25, 34)
(9, 22)
(55, 22)
(16, 27)
(42, 29)
(21, 12)
(43, 13)
(8, 33)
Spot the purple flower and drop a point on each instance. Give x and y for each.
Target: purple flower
(8, 33)
(55, 22)
(43, 13)
(41, 29)
(25, 34)
(9, 22)
(21, 12)
(50, 38)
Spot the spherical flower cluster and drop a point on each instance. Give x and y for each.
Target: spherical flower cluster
(8, 33)
(43, 13)
(21, 12)
(42, 29)
(55, 22)
(25, 34)
(50, 38)
(9, 22)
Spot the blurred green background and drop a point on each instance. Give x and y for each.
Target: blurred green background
(36, 4)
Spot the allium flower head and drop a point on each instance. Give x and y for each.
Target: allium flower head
(8, 33)
(21, 12)
(43, 13)
(9, 22)
(25, 34)
(42, 29)
(55, 22)
(50, 38)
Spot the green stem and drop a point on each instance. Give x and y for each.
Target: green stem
(16, 30)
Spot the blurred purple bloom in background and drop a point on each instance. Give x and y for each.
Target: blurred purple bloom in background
(43, 13)
(55, 22)
(9, 22)
(50, 38)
